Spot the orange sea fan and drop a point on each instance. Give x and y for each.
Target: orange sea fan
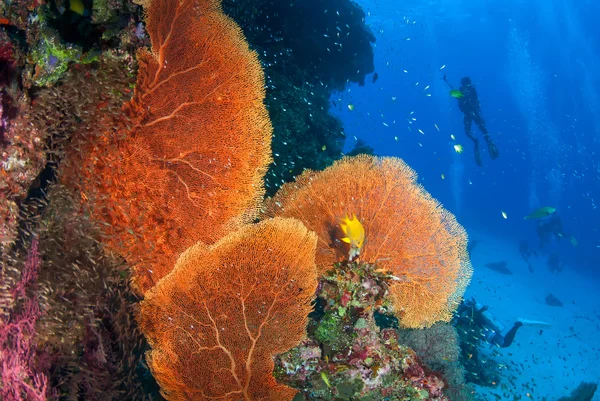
(217, 320)
(406, 231)
(191, 166)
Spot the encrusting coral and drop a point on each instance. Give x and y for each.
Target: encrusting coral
(21, 145)
(408, 233)
(218, 319)
(191, 166)
(347, 356)
(21, 159)
(438, 350)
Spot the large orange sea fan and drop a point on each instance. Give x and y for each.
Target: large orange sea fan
(218, 319)
(190, 167)
(407, 231)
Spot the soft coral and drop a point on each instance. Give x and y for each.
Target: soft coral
(20, 379)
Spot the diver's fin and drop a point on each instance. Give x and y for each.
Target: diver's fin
(534, 323)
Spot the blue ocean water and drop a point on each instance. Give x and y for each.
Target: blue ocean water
(536, 67)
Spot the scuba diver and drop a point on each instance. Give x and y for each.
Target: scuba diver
(472, 316)
(551, 226)
(475, 325)
(468, 103)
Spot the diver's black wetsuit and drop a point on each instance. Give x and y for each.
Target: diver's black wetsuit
(469, 105)
(548, 226)
(505, 341)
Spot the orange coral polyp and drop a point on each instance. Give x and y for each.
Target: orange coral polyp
(409, 234)
(217, 320)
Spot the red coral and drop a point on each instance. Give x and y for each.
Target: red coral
(20, 381)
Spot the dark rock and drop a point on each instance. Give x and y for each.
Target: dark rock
(499, 267)
(553, 301)
(361, 147)
(584, 392)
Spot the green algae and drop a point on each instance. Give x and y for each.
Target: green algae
(52, 58)
(330, 331)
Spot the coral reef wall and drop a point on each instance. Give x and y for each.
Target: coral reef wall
(151, 186)
(306, 52)
(88, 333)
(437, 347)
(21, 376)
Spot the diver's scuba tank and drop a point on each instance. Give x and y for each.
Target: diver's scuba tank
(491, 326)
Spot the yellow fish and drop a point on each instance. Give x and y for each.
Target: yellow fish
(355, 234)
(351, 107)
(77, 6)
(541, 212)
(458, 149)
(325, 379)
